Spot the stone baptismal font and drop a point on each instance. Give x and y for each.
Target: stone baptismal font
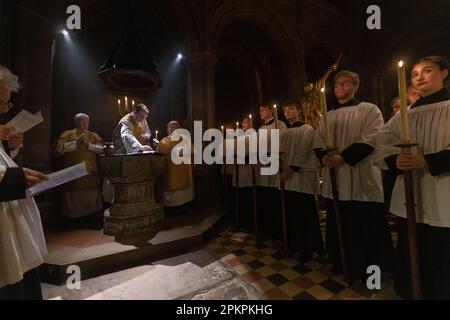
(135, 217)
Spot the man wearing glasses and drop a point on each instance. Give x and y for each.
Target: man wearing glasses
(22, 245)
(354, 128)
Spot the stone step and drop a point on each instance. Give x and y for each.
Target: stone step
(97, 254)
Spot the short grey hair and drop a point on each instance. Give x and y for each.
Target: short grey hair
(174, 124)
(9, 79)
(80, 116)
(348, 74)
(141, 107)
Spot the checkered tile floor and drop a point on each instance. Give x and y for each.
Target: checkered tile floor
(264, 266)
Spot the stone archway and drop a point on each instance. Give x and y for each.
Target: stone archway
(263, 71)
(283, 35)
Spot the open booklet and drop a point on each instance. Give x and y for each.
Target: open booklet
(59, 178)
(25, 120)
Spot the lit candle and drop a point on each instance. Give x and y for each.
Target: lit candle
(223, 141)
(403, 101)
(275, 114)
(251, 121)
(323, 101)
(120, 105)
(156, 134)
(132, 103)
(126, 103)
(237, 125)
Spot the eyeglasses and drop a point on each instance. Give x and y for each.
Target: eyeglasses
(343, 84)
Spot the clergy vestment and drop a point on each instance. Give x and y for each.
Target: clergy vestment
(127, 136)
(22, 242)
(429, 126)
(178, 178)
(81, 197)
(243, 181)
(303, 227)
(269, 201)
(367, 239)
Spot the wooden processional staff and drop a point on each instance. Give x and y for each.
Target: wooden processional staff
(410, 204)
(331, 150)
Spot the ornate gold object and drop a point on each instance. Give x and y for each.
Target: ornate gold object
(311, 105)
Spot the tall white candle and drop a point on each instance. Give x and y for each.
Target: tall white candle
(403, 101)
(323, 98)
(275, 115)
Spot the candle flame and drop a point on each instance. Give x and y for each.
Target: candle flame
(274, 106)
(222, 127)
(322, 90)
(118, 101)
(250, 116)
(400, 64)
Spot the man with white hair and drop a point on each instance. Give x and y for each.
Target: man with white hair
(11, 142)
(22, 242)
(81, 197)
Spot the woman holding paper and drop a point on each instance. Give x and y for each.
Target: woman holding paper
(22, 242)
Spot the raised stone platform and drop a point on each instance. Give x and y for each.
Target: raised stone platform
(97, 254)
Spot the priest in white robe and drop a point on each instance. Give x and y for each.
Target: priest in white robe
(429, 125)
(354, 128)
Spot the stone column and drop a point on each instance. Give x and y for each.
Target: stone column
(200, 82)
(5, 32)
(201, 107)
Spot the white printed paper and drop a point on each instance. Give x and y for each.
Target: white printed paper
(59, 178)
(25, 120)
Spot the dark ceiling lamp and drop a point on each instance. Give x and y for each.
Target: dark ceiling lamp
(130, 67)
